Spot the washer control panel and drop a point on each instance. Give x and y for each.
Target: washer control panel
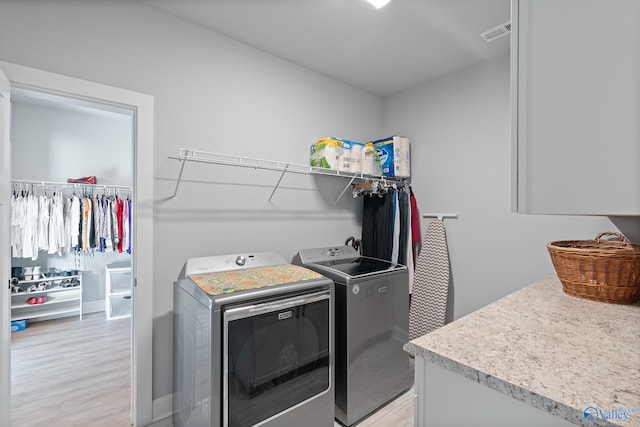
(307, 256)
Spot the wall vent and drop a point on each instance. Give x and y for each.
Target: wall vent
(497, 32)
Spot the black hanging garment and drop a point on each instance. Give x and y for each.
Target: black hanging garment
(405, 227)
(377, 226)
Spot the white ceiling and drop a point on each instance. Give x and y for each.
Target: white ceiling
(383, 51)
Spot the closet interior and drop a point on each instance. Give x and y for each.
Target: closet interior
(71, 242)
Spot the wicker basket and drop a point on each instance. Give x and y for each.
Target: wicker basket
(601, 270)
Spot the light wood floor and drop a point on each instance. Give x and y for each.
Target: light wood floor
(397, 413)
(68, 373)
(72, 373)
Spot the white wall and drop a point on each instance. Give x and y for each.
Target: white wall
(52, 144)
(461, 152)
(210, 93)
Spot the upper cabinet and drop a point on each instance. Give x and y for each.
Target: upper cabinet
(575, 67)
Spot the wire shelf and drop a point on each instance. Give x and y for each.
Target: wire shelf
(188, 155)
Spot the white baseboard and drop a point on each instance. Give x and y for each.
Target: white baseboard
(162, 411)
(166, 422)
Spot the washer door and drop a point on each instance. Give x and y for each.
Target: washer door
(276, 356)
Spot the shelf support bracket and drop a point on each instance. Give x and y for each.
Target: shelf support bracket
(175, 192)
(279, 181)
(345, 190)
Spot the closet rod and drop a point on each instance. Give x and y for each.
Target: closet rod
(440, 216)
(70, 184)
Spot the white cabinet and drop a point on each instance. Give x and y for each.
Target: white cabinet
(117, 292)
(48, 297)
(576, 106)
(441, 392)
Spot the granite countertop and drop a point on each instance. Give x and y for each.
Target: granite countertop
(553, 351)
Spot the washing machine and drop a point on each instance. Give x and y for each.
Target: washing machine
(372, 326)
(253, 343)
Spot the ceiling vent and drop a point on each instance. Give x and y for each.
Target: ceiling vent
(497, 32)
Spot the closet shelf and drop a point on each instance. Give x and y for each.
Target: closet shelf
(74, 185)
(187, 155)
(60, 301)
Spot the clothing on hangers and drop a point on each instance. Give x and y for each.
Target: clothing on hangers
(387, 226)
(408, 252)
(403, 203)
(58, 223)
(376, 226)
(395, 227)
(416, 233)
(130, 247)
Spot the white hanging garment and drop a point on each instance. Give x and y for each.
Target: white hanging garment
(30, 236)
(75, 221)
(18, 222)
(44, 207)
(409, 256)
(56, 224)
(66, 240)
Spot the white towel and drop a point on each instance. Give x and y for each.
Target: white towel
(431, 283)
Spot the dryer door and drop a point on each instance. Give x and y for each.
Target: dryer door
(276, 356)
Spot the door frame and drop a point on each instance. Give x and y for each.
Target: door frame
(5, 260)
(142, 223)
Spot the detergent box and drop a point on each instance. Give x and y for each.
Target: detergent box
(395, 157)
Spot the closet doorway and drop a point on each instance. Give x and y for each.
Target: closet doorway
(78, 337)
(35, 95)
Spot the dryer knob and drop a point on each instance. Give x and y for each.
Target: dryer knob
(241, 260)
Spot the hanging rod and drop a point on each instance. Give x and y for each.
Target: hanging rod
(440, 216)
(187, 155)
(70, 184)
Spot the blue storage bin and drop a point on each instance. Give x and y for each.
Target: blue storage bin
(18, 325)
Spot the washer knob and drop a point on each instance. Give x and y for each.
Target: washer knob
(241, 260)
